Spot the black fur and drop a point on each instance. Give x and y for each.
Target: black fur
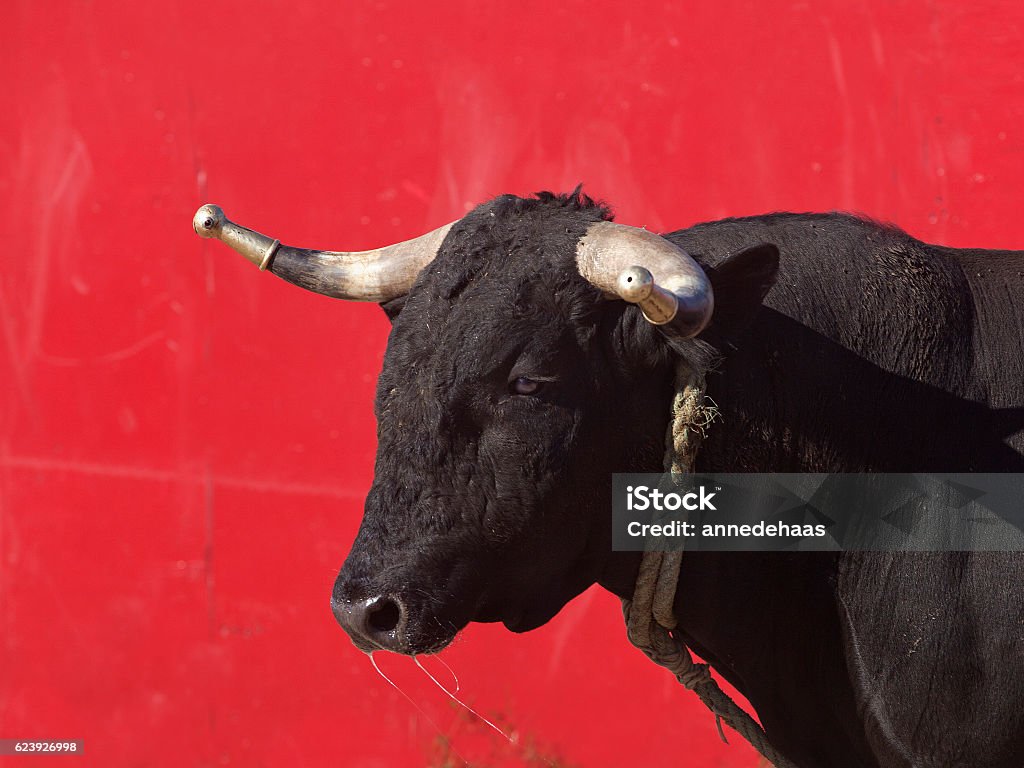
(872, 352)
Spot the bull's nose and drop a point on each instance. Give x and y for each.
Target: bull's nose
(376, 622)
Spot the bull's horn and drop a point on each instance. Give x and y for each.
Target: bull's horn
(643, 268)
(377, 275)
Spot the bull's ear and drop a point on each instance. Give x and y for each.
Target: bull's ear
(740, 283)
(393, 307)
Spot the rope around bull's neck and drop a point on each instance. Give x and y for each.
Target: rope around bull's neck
(650, 621)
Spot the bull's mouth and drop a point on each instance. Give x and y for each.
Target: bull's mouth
(397, 643)
(364, 645)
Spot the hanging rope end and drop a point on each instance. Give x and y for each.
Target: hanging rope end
(721, 733)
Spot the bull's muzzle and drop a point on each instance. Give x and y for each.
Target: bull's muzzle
(376, 623)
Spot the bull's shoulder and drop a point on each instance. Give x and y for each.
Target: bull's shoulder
(902, 304)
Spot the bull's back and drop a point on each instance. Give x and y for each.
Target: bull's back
(931, 337)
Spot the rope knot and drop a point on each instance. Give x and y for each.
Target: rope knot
(696, 675)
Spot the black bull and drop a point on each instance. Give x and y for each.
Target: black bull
(512, 390)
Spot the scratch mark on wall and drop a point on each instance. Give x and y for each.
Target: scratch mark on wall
(202, 184)
(848, 153)
(60, 208)
(9, 546)
(14, 357)
(110, 357)
(51, 172)
(211, 606)
(41, 464)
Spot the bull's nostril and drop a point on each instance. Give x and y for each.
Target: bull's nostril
(384, 616)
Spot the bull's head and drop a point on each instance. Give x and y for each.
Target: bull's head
(518, 377)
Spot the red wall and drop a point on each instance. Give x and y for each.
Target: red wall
(185, 443)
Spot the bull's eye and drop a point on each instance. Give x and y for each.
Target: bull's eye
(525, 386)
